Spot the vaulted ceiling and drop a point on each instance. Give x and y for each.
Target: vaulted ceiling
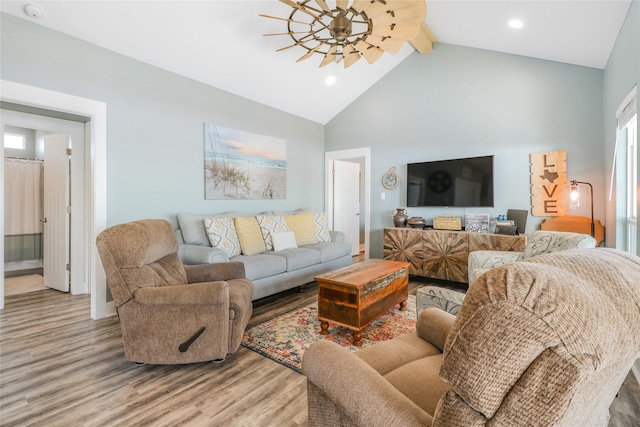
(221, 43)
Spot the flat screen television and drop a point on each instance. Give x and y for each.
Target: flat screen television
(464, 183)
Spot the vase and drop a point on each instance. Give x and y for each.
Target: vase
(400, 217)
(416, 222)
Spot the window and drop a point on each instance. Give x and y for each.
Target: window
(14, 140)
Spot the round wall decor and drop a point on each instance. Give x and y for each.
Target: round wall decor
(391, 179)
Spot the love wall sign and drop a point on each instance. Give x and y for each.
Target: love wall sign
(548, 178)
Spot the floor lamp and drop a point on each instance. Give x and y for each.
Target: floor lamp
(574, 196)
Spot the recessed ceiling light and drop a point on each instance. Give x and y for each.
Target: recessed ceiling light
(516, 23)
(330, 80)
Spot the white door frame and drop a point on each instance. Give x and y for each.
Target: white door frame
(354, 153)
(96, 164)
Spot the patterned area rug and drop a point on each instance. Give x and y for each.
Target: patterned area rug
(286, 337)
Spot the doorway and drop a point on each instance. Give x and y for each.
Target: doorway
(54, 139)
(347, 195)
(92, 161)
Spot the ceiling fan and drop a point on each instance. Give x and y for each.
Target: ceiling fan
(355, 29)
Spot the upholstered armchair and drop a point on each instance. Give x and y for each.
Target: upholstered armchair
(540, 242)
(543, 342)
(171, 313)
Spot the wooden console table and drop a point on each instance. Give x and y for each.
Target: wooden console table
(443, 254)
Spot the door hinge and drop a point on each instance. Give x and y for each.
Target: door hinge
(68, 151)
(68, 267)
(68, 209)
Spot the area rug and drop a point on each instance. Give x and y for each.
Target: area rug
(286, 337)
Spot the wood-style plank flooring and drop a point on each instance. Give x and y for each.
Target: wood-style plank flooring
(60, 368)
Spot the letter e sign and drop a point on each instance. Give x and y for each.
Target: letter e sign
(548, 178)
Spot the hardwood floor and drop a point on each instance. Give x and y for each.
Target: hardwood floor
(60, 368)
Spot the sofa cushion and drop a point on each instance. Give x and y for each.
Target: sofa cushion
(331, 250)
(223, 235)
(262, 265)
(283, 240)
(303, 227)
(269, 224)
(192, 227)
(250, 236)
(298, 258)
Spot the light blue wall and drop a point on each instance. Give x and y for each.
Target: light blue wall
(621, 74)
(155, 125)
(465, 102)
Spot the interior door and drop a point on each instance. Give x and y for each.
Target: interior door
(56, 218)
(346, 202)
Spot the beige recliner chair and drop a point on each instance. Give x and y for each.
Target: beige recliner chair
(170, 313)
(540, 242)
(542, 342)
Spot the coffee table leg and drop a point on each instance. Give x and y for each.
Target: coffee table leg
(403, 305)
(324, 326)
(357, 338)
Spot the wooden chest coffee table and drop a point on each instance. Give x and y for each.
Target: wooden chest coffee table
(356, 295)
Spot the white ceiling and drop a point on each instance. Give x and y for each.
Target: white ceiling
(220, 43)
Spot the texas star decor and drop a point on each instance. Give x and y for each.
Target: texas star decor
(548, 178)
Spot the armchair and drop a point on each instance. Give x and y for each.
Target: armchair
(171, 313)
(540, 242)
(547, 341)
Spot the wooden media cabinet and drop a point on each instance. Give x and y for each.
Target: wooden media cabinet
(443, 254)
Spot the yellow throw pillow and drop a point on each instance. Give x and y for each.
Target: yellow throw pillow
(303, 227)
(250, 235)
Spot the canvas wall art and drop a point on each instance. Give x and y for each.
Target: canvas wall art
(243, 165)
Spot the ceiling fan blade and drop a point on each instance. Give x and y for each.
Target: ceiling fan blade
(370, 53)
(389, 44)
(287, 47)
(401, 16)
(423, 42)
(330, 56)
(284, 19)
(360, 5)
(299, 7)
(378, 9)
(323, 5)
(350, 55)
(342, 4)
(309, 54)
(284, 34)
(399, 31)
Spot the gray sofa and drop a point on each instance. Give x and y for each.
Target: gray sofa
(271, 272)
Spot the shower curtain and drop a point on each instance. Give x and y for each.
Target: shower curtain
(23, 200)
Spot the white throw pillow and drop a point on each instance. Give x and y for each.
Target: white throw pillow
(283, 240)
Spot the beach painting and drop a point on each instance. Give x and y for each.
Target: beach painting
(243, 165)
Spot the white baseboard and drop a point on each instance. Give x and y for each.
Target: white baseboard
(636, 370)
